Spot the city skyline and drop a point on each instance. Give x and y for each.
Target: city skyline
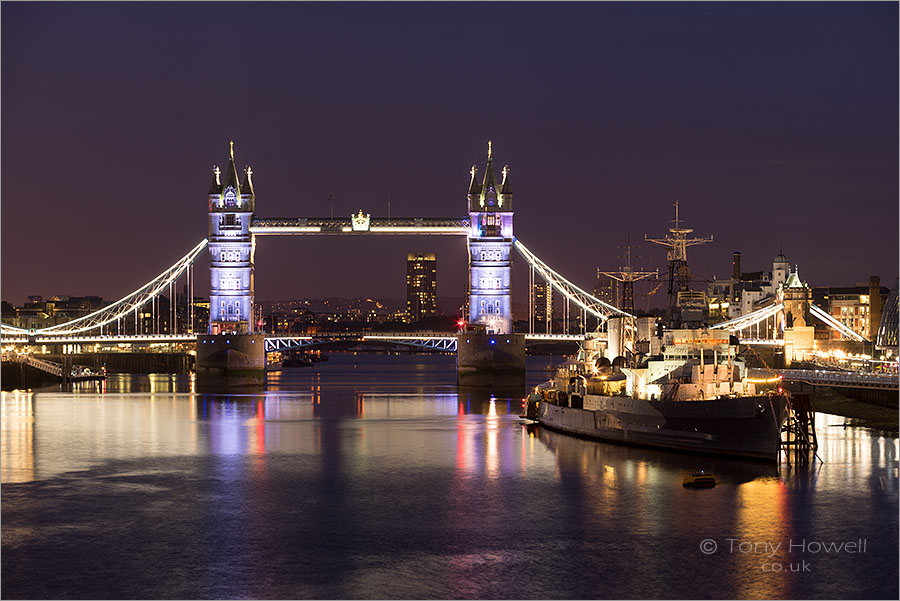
(451, 300)
(110, 140)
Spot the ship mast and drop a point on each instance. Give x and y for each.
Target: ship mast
(679, 273)
(628, 276)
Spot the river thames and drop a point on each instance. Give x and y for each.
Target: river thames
(373, 476)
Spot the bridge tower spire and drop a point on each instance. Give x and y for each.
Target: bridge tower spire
(490, 241)
(231, 208)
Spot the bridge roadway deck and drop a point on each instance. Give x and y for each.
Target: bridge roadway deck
(158, 338)
(374, 225)
(274, 342)
(173, 338)
(833, 378)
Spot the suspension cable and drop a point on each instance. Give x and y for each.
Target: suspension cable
(121, 307)
(570, 291)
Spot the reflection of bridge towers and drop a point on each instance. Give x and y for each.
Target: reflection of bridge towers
(490, 241)
(231, 208)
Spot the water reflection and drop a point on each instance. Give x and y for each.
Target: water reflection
(638, 464)
(138, 383)
(379, 487)
(17, 424)
(643, 488)
(482, 401)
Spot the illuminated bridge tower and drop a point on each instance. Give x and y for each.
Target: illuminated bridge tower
(231, 207)
(490, 242)
(237, 358)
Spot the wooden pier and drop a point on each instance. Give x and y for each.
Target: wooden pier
(798, 434)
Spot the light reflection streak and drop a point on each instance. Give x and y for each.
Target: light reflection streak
(17, 429)
(460, 442)
(492, 457)
(260, 428)
(523, 435)
(763, 515)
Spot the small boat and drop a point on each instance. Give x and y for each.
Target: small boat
(297, 361)
(699, 479)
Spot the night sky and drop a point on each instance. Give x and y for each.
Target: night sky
(774, 125)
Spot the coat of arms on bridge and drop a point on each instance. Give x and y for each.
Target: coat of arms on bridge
(360, 222)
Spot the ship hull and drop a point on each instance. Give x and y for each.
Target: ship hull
(746, 427)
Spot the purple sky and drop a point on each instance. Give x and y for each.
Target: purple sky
(772, 124)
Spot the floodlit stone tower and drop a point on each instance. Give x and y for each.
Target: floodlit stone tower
(238, 357)
(490, 242)
(488, 352)
(231, 208)
(799, 333)
(797, 297)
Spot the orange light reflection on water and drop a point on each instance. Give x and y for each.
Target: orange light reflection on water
(762, 517)
(17, 432)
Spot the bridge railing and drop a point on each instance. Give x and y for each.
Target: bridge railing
(763, 341)
(443, 342)
(50, 367)
(100, 339)
(838, 378)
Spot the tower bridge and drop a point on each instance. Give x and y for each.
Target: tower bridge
(233, 229)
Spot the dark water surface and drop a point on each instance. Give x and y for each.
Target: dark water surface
(374, 477)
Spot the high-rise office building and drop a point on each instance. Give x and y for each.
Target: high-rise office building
(541, 307)
(607, 289)
(421, 285)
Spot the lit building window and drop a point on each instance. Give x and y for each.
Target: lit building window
(421, 285)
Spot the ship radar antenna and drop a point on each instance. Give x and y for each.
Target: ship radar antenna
(679, 273)
(627, 276)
